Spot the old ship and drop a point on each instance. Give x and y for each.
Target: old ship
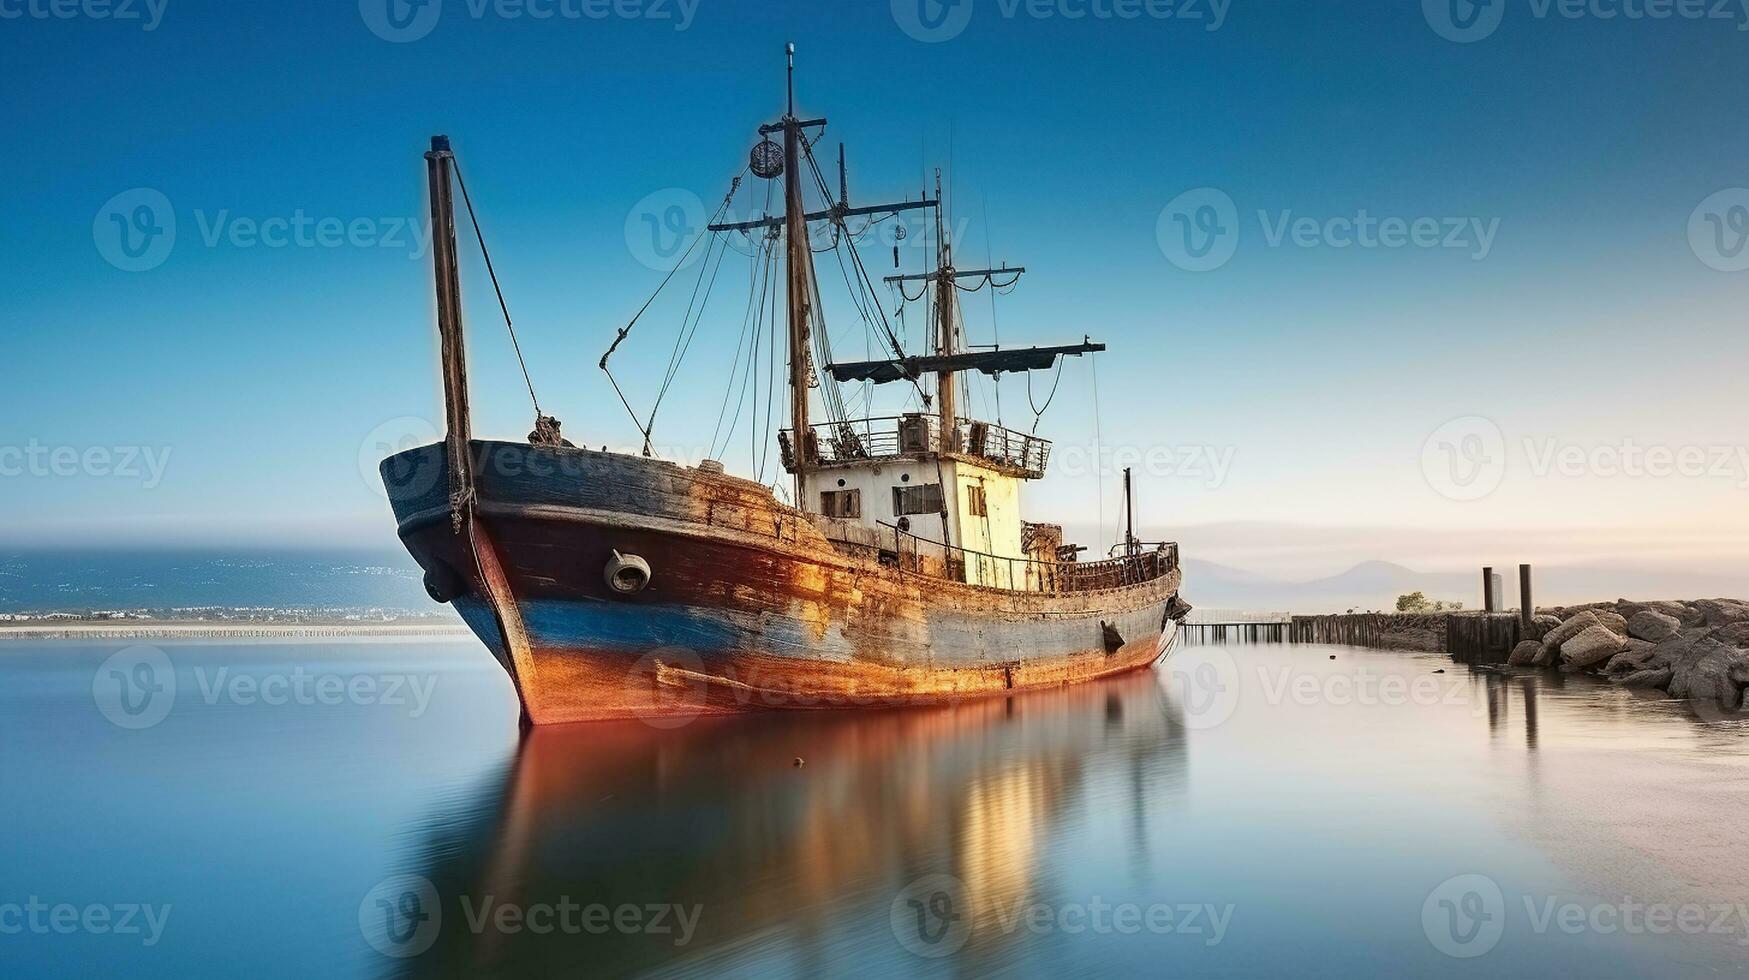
(614, 585)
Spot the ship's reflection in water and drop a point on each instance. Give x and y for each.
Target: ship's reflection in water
(1303, 818)
(777, 865)
(1297, 809)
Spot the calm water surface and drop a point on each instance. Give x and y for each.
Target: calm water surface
(1243, 811)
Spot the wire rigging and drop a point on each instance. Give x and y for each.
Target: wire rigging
(487, 255)
(644, 429)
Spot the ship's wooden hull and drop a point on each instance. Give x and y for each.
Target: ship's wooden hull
(749, 607)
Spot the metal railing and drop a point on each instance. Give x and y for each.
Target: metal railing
(922, 556)
(893, 436)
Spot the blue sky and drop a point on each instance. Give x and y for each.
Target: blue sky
(1566, 156)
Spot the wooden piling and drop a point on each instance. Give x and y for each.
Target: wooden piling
(1527, 609)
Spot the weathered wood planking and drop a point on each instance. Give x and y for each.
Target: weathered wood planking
(749, 606)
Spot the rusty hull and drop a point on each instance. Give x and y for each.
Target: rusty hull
(749, 606)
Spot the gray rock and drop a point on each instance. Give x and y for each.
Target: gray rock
(1593, 645)
(1637, 656)
(1713, 667)
(1615, 621)
(1684, 612)
(1524, 654)
(1658, 677)
(1723, 612)
(1653, 626)
(1547, 656)
(1570, 628)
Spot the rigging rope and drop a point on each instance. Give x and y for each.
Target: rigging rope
(487, 255)
(1038, 412)
(1098, 445)
(755, 307)
(627, 329)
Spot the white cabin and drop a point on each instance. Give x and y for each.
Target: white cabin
(896, 478)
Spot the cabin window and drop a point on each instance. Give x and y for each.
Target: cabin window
(924, 498)
(975, 505)
(841, 503)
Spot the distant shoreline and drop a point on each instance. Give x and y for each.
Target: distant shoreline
(221, 630)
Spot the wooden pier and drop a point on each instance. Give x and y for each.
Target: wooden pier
(1242, 632)
(1469, 637)
(1486, 636)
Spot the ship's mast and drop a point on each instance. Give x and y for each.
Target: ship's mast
(799, 257)
(438, 163)
(797, 264)
(944, 297)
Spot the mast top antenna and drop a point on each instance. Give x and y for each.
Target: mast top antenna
(789, 51)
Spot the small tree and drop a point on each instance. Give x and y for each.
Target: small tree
(1413, 602)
